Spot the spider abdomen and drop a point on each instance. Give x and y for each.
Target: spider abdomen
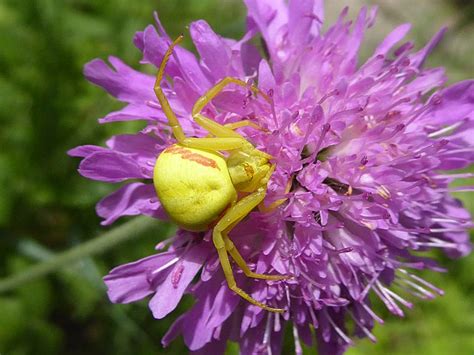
(193, 185)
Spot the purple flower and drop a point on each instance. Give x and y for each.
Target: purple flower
(364, 149)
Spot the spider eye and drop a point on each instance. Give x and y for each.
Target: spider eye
(249, 170)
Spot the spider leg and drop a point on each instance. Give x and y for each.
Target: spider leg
(225, 142)
(233, 125)
(216, 89)
(241, 209)
(234, 253)
(215, 128)
(240, 124)
(243, 123)
(275, 204)
(223, 135)
(225, 138)
(240, 261)
(165, 105)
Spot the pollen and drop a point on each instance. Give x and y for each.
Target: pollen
(384, 192)
(248, 169)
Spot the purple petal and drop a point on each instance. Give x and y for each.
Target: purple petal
(181, 64)
(250, 58)
(85, 150)
(270, 16)
(266, 80)
(214, 347)
(128, 283)
(143, 144)
(393, 38)
(124, 83)
(113, 166)
(457, 103)
(170, 291)
(154, 47)
(214, 52)
(135, 112)
(355, 41)
(216, 303)
(426, 81)
(130, 200)
(418, 59)
(304, 15)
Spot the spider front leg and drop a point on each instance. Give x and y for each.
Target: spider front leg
(229, 142)
(275, 204)
(234, 253)
(216, 89)
(214, 127)
(236, 213)
(244, 123)
(222, 141)
(225, 138)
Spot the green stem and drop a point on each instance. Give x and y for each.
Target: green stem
(106, 241)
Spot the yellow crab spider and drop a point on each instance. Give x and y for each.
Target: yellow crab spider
(199, 187)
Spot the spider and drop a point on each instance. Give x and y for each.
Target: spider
(199, 187)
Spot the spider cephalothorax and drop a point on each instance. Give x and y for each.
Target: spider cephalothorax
(199, 186)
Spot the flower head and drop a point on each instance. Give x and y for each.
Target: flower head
(361, 153)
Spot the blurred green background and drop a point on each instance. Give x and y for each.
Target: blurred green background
(46, 107)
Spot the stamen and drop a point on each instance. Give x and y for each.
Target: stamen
(310, 280)
(165, 243)
(447, 230)
(398, 103)
(448, 129)
(384, 75)
(313, 317)
(457, 151)
(462, 189)
(272, 105)
(165, 266)
(416, 290)
(366, 331)
(405, 287)
(343, 250)
(387, 300)
(153, 104)
(368, 287)
(384, 192)
(443, 245)
(266, 336)
(449, 220)
(309, 130)
(337, 329)
(357, 109)
(298, 348)
(399, 298)
(436, 146)
(287, 292)
(176, 275)
(455, 176)
(325, 130)
(423, 282)
(334, 92)
(417, 114)
(421, 230)
(372, 314)
(438, 213)
(277, 323)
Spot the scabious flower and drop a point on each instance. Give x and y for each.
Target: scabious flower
(364, 147)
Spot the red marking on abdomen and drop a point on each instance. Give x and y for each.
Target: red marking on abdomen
(189, 155)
